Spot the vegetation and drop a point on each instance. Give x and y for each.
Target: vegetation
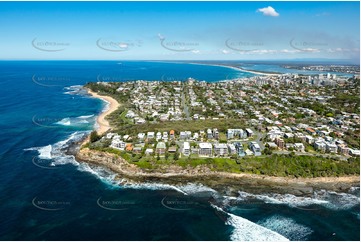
(289, 165)
(193, 125)
(94, 136)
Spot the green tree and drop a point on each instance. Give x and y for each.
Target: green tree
(176, 155)
(94, 136)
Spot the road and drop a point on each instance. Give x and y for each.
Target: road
(185, 106)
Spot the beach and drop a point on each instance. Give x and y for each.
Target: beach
(238, 69)
(103, 124)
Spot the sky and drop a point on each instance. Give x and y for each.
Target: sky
(179, 30)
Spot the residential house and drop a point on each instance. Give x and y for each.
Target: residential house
(220, 149)
(150, 135)
(118, 144)
(137, 150)
(354, 152)
(311, 131)
(182, 135)
(159, 136)
(109, 135)
(230, 133)
(165, 136)
(310, 139)
(128, 147)
(271, 145)
(331, 148)
(232, 149)
(239, 149)
(256, 149)
(205, 149)
(141, 136)
(299, 147)
(160, 148)
(249, 132)
(149, 151)
(280, 143)
(320, 145)
(215, 133)
(209, 134)
(186, 149)
(172, 149)
(171, 134)
(343, 149)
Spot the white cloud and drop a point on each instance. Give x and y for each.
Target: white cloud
(289, 51)
(269, 11)
(225, 51)
(342, 50)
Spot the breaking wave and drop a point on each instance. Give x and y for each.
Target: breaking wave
(77, 121)
(328, 199)
(75, 90)
(287, 227)
(245, 230)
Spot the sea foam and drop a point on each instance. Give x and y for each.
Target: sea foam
(328, 199)
(245, 230)
(287, 227)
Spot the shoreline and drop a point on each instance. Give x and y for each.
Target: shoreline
(237, 69)
(223, 182)
(101, 121)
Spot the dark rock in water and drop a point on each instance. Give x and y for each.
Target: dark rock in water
(74, 146)
(305, 190)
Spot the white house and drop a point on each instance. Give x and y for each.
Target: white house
(220, 149)
(205, 149)
(141, 136)
(331, 148)
(150, 135)
(254, 146)
(118, 144)
(186, 149)
(299, 147)
(232, 149)
(158, 136)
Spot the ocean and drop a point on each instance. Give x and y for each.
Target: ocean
(48, 195)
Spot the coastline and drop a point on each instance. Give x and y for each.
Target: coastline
(227, 183)
(101, 121)
(221, 181)
(237, 69)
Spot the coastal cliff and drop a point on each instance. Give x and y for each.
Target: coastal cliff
(227, 183)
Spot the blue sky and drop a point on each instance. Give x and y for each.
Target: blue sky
(180, 30)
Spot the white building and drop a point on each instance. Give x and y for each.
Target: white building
(186, 149)
(158, 136)
(118, 144)
(141, 136)
(150, 135)
(205, 149)
(256, 149)
(232, 149)
(331, 148)
(220, 149)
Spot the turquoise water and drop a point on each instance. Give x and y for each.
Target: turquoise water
(48, 195)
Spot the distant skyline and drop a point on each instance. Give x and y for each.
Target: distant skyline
(179, 30)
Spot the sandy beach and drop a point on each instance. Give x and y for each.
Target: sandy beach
(238, 69)
(113, 105)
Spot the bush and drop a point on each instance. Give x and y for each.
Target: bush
(94, 137)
